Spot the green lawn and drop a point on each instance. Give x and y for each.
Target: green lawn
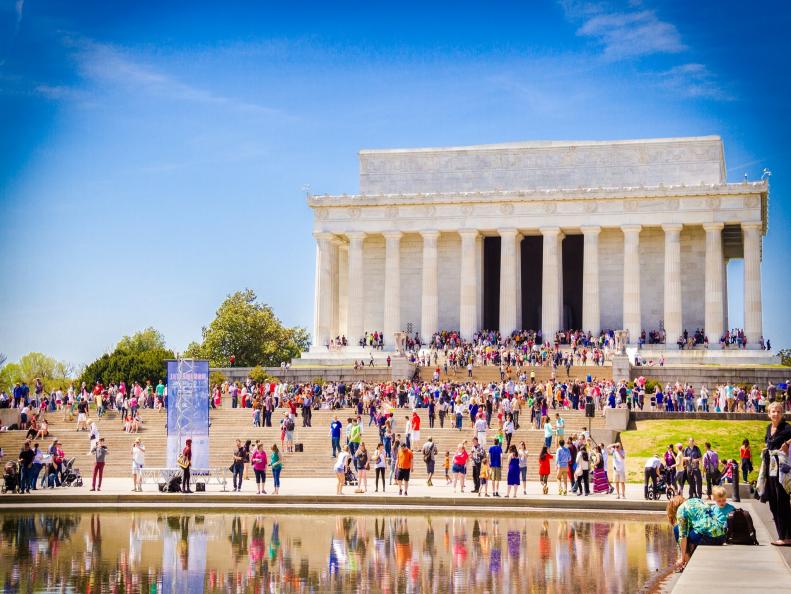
(653, 437)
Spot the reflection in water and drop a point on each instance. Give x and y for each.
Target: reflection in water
(168, 553)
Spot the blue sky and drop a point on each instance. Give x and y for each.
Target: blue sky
(153, 155)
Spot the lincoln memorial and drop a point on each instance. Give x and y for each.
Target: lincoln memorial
(591, 235)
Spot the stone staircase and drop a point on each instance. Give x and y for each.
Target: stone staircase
(229, 424)
(491, 373)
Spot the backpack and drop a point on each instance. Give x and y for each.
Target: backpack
(289, 424)
(740, 528)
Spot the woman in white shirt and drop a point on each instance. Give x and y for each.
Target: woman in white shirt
(340, 468)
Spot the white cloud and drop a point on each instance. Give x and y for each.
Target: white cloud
(108, 64)
(692, 80)
(632, 34)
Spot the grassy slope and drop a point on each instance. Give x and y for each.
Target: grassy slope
(725, 437)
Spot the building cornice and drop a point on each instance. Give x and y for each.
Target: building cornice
(560, 194)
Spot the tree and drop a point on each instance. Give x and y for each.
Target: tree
(250, 332)
(785, 357)
(137, 358)
(53, 373)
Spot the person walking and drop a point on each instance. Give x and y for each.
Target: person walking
(459, 467)
(692, 458)
(508, 431)
(562, 461)
(544, 460)
(258, 461)
(379, 458)
(651, 474)
(186, 465)
(711, 466)
(548, 432)
(746, 459)
(560, 427)
(363, 465)
(237, 466)
(477, 454)
(405, 462)
(335, 435)
(275, 465)
(583, 470)
(771, 488)
(619, 469)
(512, 478)
(100, 453)
(495, 464)
(138, 463)
(522, 451)
(429, 457)
(26, 457)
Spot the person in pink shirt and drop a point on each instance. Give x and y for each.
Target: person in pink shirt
(258, 459)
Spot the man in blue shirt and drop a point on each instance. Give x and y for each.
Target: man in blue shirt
(562, 460)
(495, 464)
(335, 433)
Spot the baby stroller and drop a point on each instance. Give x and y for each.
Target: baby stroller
(11, 477)
(663, 487)
(350, 478)
(71, 475)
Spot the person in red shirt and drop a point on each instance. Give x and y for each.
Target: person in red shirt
(544, 460)
(415, 430)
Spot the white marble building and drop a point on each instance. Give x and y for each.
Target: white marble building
(595, 235)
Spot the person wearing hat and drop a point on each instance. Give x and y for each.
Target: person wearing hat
(138, 461)
(185, 477)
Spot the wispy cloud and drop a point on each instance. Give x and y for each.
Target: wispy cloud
(692, 80)
(109, 64)
(625, 31)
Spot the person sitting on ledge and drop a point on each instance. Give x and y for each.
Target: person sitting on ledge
(694, 523)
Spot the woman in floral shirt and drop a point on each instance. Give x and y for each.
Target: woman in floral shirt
(694, 523)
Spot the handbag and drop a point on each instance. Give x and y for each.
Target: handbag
(182, 461)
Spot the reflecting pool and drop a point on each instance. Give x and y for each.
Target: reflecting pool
(158, 552)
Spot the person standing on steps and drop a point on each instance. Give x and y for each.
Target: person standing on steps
(429, 457)
(405, 462)
(258, 460)
(237, 466)
(512, 478)
(186, 455)
(619, 469)
(100, 453)
(138, 463)
(495, 464)
(340, 469)
(379, 459)
(276, 465)
(335, 435)
(477, 454)
(562, 461)
(778, 440)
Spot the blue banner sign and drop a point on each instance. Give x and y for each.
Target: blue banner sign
(188, 411)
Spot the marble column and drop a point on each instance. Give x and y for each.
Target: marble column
(550, 284)
(468, 298)
(356, 302)
(674, 324)
(715, 294)
(591, 314)
(631, 281)
(323, 311)
(343, 289)
(519, 325)
(753, 321)
(479, 282)
(429, 309)
(392, 309)
(508, 241)
(335, 300)
(725, 312)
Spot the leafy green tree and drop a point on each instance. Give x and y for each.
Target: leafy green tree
(53, 373)
(137, 358)
(250, 332)
(785, 357)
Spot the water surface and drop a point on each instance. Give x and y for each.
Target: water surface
(151, 552)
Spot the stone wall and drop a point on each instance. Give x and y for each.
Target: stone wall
(714, 375)
(307, 374)
(652, 275)
(543, 164)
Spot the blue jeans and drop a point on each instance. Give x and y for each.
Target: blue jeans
(700, 539)
(276, 476)
(336, 446)
(27, 475)
(35, 470)
(237, 468)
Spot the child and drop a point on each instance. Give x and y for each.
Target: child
(727, 472)
(721, 506)
(484, 477)
(446, 466)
